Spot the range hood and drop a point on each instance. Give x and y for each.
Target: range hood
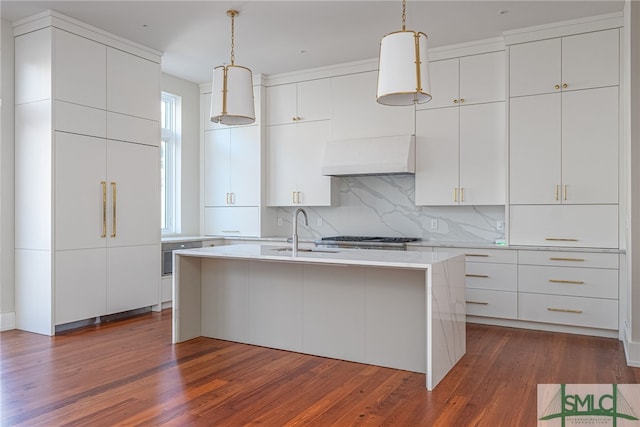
(370, 156)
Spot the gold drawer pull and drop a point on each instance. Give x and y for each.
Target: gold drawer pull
(567, 259)
(560, 239)
(482, 276)
(564, 310)
(478, 255)
(556, 87)
(572, 282)
(477, 302)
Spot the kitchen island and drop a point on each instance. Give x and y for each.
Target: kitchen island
(404, 310)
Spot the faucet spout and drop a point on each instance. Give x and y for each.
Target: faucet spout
(294, 238)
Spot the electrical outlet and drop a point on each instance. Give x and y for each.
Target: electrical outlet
(319, 222)
(500, 225)
(279, 222)
(434, 224)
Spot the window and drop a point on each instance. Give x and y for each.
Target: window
(169, 164)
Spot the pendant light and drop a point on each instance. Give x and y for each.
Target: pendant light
(403, 70)
(232, 89)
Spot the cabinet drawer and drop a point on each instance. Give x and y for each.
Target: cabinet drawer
(481, 302)
(583, 282)
(80, 119)
(232, 221)
(565, 225)
(504, 256)
(577, 311)
(569, 259)
(132, 129)
(491, 276)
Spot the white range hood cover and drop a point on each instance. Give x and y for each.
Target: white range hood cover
(370, 156)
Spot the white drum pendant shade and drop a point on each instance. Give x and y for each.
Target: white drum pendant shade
(403, 71)
(232, 96)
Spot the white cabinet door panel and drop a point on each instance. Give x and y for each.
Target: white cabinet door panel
(133, 129)
(216, 167)
(79, 81)
(314, 188)
(79, 119)
(244, 166)
(569, 259)
(534, 67)
(33, 65)
(437, 154)
(483, 152)
(498, 277)
(591, 60)
(80, 284)
(282, 161)
(567, 310)
(80, 189)
(282, 104)
(133, 277)
(314, 101)
(579, 282)
(133, 85)
(535, 153)
(133, 175)
(232, 221)
(444, 76)
(482, 78)
(590, 146)
(584, 226)
(491, 303)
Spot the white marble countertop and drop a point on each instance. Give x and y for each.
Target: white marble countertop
(374, 258)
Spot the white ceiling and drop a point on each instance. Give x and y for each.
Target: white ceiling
(280, 36)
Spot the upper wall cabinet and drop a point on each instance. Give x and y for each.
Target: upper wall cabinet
(467, 80)
(132, 85)
(294, 102)
(568, 63)
(357, 114)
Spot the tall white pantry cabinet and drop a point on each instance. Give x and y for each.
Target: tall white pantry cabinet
(87, 173)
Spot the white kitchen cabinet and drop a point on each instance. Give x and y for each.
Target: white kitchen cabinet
(93, 187)
(568, 63)
(232, 166)
(473, 79)
(583, 226)
(294, 161)
(132, 85)
(232, 221)
(298, 102)
(460, 155)
(564, 148)
(355, 113)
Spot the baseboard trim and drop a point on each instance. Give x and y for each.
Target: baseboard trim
(7, 321)
(631, 350)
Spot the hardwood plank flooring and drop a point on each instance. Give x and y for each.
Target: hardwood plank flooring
(127, 373)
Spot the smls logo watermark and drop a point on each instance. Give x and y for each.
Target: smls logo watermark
(572, 405)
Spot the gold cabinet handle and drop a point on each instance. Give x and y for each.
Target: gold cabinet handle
(461, 194)
(296, 119)
(104, 208)
(113, 198)
(557, 192)
(455, 194)
(571, 282)
(297, 197)
(564, 192)
(556, 87)
(478, 255)
(226, 198)
(564, 86)
(455, 101)
(477, 302)
(567, 259)
(564, 310)
(482, 276)
(559, 239)
(232, 198)
(461, 100)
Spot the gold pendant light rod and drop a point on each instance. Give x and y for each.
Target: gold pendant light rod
(232, 14)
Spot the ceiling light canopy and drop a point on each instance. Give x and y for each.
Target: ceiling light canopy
(232, 89)
(403, 69)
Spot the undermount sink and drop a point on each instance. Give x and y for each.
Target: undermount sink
(329, 251)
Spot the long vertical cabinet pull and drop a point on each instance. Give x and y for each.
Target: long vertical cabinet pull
(113, 196)
(104, 208)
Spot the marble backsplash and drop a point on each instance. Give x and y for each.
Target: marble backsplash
(384, 206)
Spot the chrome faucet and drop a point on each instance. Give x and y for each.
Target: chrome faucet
(294, 238)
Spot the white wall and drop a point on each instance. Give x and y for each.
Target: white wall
(6, 176)
(190, 151)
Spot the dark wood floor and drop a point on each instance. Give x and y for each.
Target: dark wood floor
(128, 373)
